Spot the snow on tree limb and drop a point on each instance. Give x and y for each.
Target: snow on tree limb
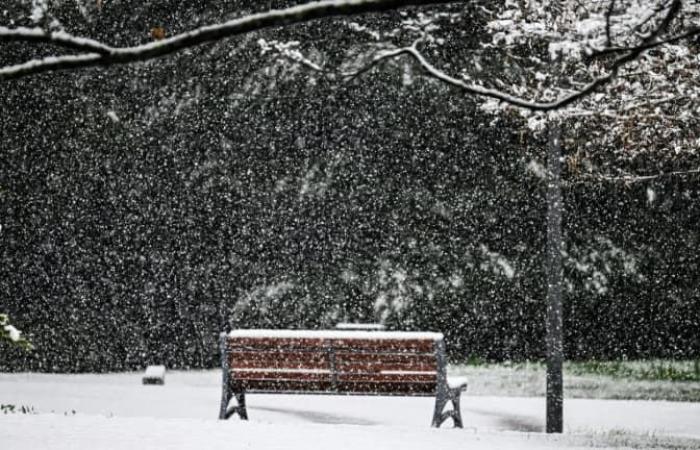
(50, 63)
(647, 33)
(58, 38)
(102, 54)
(631, 53)
(626, 28)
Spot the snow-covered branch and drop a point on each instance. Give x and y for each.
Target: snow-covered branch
(629, 34)
(612, 70)
(105, 55)
(572, 45)
(57, 38)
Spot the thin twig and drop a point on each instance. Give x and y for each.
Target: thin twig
(691, 32)
(633, 178)
(608, 15)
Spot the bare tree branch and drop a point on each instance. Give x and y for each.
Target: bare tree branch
(673, 8)
(691, 32)
(49, 64)
(608, 15)
(377, 60)
(588, 89)
(58, 38)
(102, 54)
(114, 55)
(475, 89)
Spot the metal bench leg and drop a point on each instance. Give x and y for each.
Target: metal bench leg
(239, 409)
(455, 395)
(225, 398)
(444, 393)
(443, 397)
(440, 402)
(226, 392)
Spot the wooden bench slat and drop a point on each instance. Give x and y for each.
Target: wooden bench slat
(388, 345)
(386, 388)
(279, 360)
(386, 378)
(367, 388)
(268, 375)
(350, 356)
(378, 367)
(282, 385)
(270, 354)
(279, 364)
(262, 342)
(323, 364)
(345, 357)
(372, 362)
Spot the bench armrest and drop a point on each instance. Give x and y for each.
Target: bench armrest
(457, 383)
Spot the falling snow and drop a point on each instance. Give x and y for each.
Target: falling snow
(297, 178)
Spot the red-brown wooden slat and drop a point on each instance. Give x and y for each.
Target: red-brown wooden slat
(280, 364)
(386, 388)
(271, 343)
(344, 356)
(326, 386)
(346, 361)
(282, 385)
(380, 366)
(387, 345)
(279, 360)
(386, 378)
(267, 375)
(269, 354)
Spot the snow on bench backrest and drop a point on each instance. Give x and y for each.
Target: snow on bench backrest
(336, 334)
(360, 326)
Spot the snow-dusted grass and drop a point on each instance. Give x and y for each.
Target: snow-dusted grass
(649, 370)
(115, 411)
(630, 380)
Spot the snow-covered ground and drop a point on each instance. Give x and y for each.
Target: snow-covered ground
(116, 411)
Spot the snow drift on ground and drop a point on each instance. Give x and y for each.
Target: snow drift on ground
(116, 411)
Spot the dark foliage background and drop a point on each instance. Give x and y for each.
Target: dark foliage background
(235, 187)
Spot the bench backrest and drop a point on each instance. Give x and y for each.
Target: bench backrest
(342, 362)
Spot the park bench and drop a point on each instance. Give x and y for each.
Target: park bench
(337, 362)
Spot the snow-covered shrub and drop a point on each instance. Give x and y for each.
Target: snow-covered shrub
(10, 334)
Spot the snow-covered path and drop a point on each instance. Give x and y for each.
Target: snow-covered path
(116, 411)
